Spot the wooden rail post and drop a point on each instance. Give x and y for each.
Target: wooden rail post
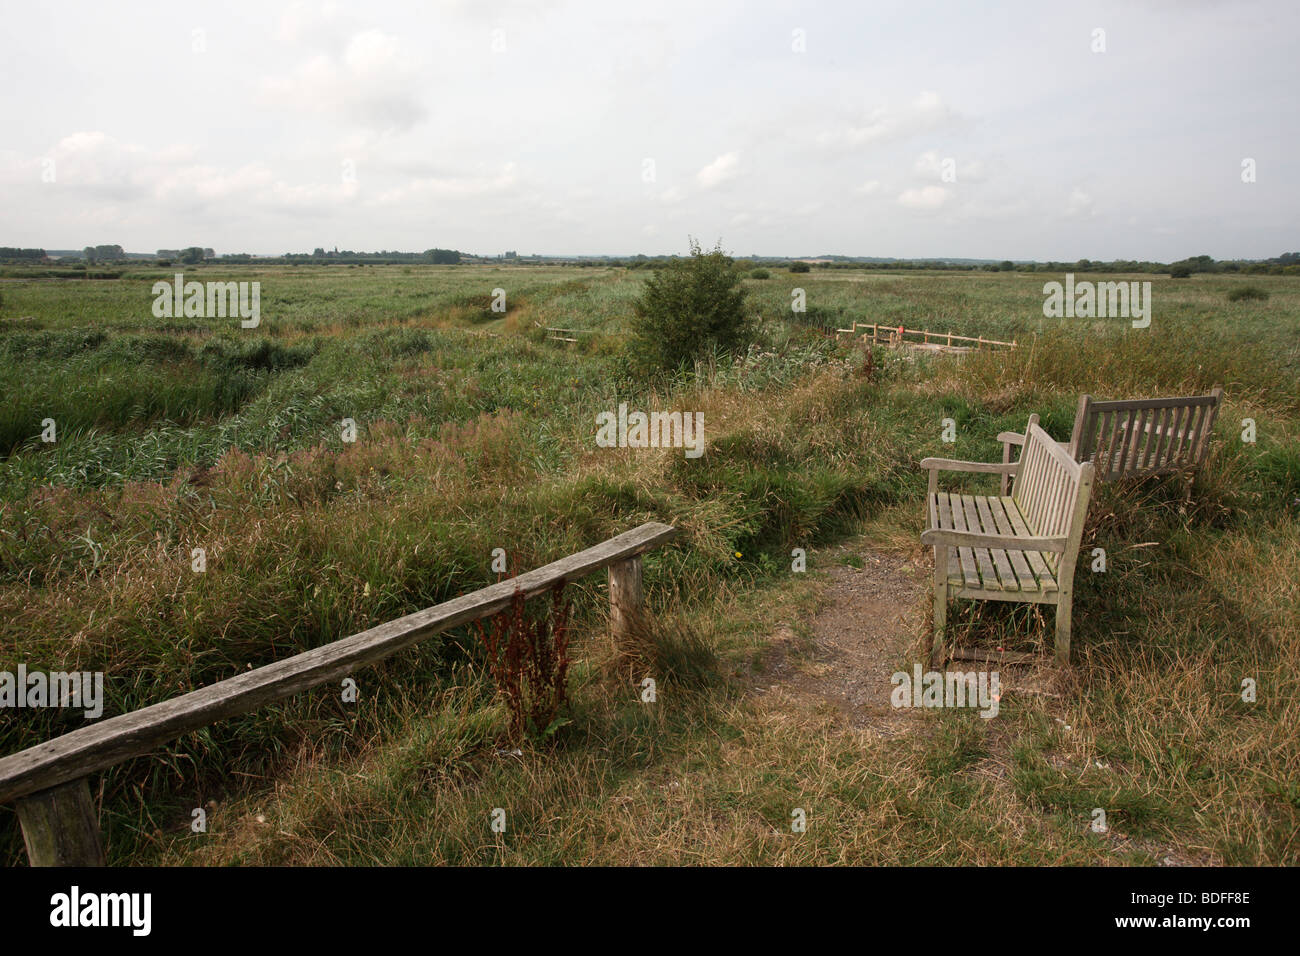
(59, 826)
(625, 597)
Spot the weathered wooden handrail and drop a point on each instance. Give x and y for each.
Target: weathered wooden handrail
(50, 781)
(899, 331)
(561, 338)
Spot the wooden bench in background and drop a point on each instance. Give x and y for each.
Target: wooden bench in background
(1020, 547)
(1144, 436)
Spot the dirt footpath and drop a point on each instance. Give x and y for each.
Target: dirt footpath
(862, 635)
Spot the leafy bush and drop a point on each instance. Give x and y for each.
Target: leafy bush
(800, 267)
(1179, 272)
(1246, 292)
(52, 343)
(228, 354)
(690, 308)
(760, 274)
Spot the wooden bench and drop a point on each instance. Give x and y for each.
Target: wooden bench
(1020, 547)
(1146, 436)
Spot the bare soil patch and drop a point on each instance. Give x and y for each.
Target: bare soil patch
(862, 635)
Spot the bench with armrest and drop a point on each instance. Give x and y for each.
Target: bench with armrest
(1020, 547)
(1143, 436)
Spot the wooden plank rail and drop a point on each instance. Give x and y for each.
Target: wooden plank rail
(562, 338)
(31, 775)
(895, 334)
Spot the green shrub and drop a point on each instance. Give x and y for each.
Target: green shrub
(1244, 293)
(760, 274)
(228, 354)
(690, 308)
(1179, 272)
(800, 267)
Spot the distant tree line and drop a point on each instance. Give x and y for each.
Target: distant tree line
(319, 254)
(1286, 264)
(103, 253)
(189, 256)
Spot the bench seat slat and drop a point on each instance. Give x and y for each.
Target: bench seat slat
(966, 556)
(988, 576)
(946, 521)
(1024, 576)
(988, 569)
(1046, 579)
(1001, 561)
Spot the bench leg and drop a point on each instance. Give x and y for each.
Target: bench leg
(940, 602)
(1063, 629)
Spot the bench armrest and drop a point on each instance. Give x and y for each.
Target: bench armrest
(1010, 542)
(990, 467)
(1015, 438)
(936, 465)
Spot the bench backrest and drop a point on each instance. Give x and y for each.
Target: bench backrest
(1145, 436)
(1051, 492)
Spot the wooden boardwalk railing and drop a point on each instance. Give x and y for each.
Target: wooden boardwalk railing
(570, 335)
(896, 335)
(50, 782)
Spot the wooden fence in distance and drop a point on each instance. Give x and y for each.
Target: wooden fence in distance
(562, 335)
(51, 781)
(937, 341)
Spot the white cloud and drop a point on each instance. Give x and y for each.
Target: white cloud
(722, 169)
(928, 165)
(210, 183)
(931, 166)
(411, 97)
(453, 187)
(167, 179)
(369, 84)
(1079, 204)
(926, 198)
(886, 124)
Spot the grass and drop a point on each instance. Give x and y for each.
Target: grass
(475, 432)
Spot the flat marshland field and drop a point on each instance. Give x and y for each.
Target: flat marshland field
(476, 432)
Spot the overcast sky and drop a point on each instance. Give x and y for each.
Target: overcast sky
(617, 127)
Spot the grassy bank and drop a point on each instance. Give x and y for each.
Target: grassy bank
(475, 432)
